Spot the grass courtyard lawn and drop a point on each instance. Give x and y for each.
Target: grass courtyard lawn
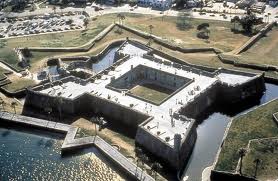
(152, 92)
(254, 125)
(267, 151)
(265, 51)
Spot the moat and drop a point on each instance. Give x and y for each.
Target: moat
(210, 134)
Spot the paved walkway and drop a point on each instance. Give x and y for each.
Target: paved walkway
(71, 142)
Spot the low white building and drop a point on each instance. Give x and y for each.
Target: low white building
(156, 4)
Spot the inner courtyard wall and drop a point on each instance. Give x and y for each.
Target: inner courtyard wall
(143, 74)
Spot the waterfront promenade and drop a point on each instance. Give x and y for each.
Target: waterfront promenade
(70, 142)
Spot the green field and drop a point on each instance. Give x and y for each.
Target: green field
(152, 92)
(254, 125)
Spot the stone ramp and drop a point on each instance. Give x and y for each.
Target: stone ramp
(254, 38)
(71, 142)
(117, 157)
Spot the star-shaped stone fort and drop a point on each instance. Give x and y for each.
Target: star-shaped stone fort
(146, 91)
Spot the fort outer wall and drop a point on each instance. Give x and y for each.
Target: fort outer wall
(112, 111)
(86, 104)
(216, 94)
(174, 156)
(239, 92)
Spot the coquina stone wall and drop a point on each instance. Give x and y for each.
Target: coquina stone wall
(86, 104)
(174, 156)
(222, 93)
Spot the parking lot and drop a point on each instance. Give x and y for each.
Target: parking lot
(41, 24)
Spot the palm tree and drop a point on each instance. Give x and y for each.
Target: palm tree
(156, 167)
(13, 105)
(121, 17)
(235, 20)
(151, 29)
(60, 101)
(92, 120)
(257, 161)
(242, 153)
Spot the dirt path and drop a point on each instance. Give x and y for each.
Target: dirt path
(106, 133)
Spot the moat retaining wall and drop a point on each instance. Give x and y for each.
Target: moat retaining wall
(217, 94)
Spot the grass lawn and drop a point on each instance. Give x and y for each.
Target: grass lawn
(265, 51)
(267, 151)
(64, 39)
(37, 57)
(152, 92)
(207, 59)
(220, 37)
(2, 71)
(220, 33)
(254, 125)
(19, 83)
(9, 56)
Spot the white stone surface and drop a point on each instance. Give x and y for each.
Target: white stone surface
(232, 79)
(132, 50)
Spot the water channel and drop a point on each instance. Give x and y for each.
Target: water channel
(210, 134)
